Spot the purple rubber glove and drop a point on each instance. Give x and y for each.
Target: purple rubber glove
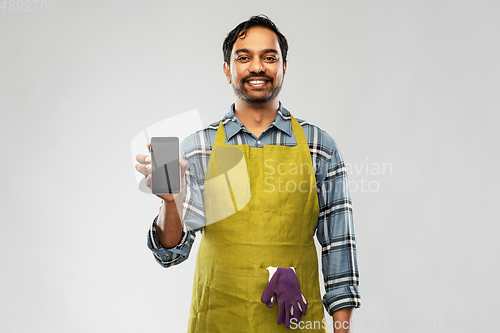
(284, 285)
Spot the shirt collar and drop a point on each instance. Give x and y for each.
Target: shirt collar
(232, 125)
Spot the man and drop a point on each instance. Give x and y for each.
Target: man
(262, 251)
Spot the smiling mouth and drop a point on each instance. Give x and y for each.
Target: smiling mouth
(256, 82)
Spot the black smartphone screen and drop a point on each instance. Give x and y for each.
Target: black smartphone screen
(165, 168)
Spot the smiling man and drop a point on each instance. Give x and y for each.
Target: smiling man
(257, 267)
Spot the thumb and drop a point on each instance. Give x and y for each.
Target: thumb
(268, 296)
(184, 164)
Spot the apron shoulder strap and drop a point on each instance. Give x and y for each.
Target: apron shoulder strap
(300, 136)
(220, 136)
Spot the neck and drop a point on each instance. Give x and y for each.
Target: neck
(256, 118)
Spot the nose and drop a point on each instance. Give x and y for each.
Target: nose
(256, 65)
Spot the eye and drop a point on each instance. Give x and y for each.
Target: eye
(242, 58)
(270, 58)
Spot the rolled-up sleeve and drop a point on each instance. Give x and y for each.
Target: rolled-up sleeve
(335, 233)
(172, 256)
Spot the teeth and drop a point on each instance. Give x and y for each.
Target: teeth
(256, 82)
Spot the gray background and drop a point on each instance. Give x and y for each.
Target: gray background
(410, 84)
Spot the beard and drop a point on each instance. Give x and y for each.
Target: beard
(242, 92)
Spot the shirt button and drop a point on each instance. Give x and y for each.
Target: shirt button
(258, 142)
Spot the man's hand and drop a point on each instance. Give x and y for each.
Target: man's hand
(144, 167)
(169, 222)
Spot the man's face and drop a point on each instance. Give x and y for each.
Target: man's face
(257, 69)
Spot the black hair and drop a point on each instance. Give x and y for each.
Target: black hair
(242, 29)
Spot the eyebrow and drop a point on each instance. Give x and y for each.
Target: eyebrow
(248, 51)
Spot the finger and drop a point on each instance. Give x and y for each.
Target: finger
(270, 303)
(145, 169)
(302, 307)
(303, 304)
(297, 312)
(184, 166)
(281, 314)
(148, 144)
(148, 182)
(288, 311)
(267, 294)
(143, 159)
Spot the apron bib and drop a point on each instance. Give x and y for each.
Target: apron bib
(261, 208)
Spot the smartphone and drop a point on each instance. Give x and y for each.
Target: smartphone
(165, 168)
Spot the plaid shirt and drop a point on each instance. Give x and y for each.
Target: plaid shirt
(335, 229)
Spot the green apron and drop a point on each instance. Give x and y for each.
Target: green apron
(264, 215)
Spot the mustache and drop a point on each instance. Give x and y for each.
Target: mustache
(257, 75)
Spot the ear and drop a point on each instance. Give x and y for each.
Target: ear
(284, 68)
(227, 72)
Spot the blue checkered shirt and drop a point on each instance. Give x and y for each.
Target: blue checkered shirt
(335, 229)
